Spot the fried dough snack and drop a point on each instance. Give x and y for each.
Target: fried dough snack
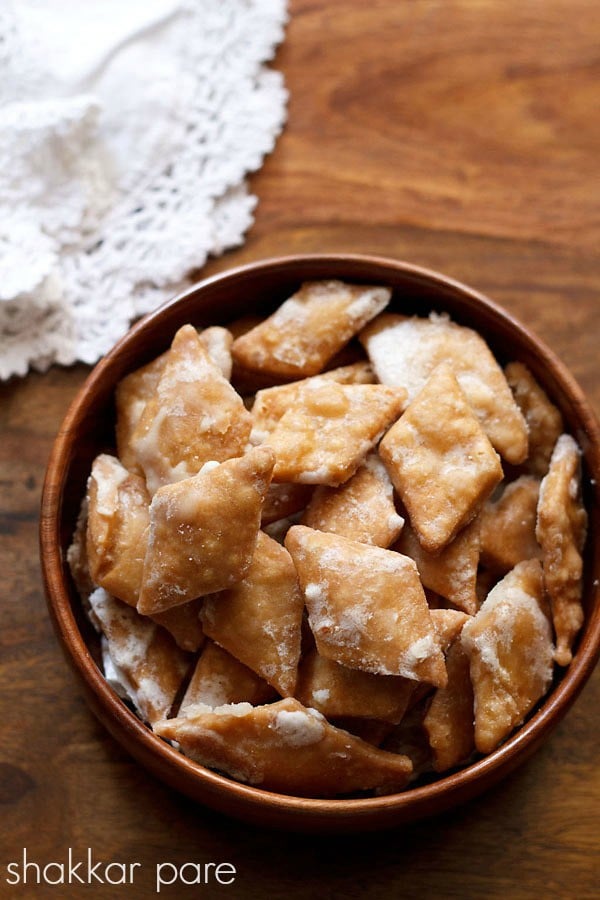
(283, 500)
(117, 528)
(192, 416)
(132, 394)
(508, 525)
(544, 421)
(325, 436)
(362, 509)
(183, 623)
(143, 658)
(561, 530)
(337, 691)
(135, 390)
(258, 620)
(366, 606)
(284, 747)
(510, 650)
(406, 351)
(271, 404)
(448, 624)
(452, 572)
(449, 718)
(306, 331)
(203, 531)
(219, 678)
(440, 461)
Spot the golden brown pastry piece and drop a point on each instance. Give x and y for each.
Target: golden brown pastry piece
(449, 718)
(132, 394)
(440, 461)
(272, 403)
(219, 678)
(258, 620)
(135, 390)
(325, 436)
(452, 572)
(284, 747)
(510, 650)
(508, 525)
(117, 528)
(405, 351)
(305, 332)
(337, 691)
(217, 342)
(544, 421)
(193, 416)
(366, 606)
(284, 500)
(362, 509)
(561, 531)
(448, 624)
(142, 658)
(203, 531)
(183, 623)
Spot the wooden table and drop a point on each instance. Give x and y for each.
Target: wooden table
(457, 134)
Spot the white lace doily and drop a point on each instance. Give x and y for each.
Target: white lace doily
(127, 132)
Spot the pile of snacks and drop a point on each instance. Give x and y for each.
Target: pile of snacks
(323, 565)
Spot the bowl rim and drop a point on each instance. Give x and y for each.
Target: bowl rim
(204, 784)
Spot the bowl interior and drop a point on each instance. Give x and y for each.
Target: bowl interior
(89, 429)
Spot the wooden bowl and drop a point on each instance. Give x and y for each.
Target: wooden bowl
(88, 430)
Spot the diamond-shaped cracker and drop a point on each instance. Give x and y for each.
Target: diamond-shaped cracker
(508, 525)
(561, 531)
(544, 420)
(203, 531)
(509, 645)
(306, 331)
(366, 606)
(440, 461)
(361, 509)
(405, 351)
(258, 620)
(337, 691)
(284, 747)
(449, 718)
(453, 571)
(328, 433)
(193, 416)
(117, 528)
(270, 404)
(145, 660)
(135, 390)
(117, 525)
(220, 678)
(132, 394)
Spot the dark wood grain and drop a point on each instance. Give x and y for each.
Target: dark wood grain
(459, 135)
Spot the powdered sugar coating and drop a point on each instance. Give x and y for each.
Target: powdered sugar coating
(299, 727)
